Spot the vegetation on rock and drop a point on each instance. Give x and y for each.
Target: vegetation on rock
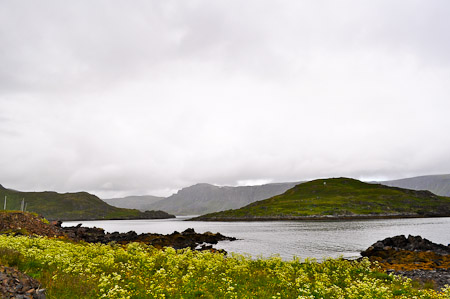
(19, 223)
(413, 257)
(340, 198)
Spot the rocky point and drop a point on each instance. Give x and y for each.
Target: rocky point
(413, 257)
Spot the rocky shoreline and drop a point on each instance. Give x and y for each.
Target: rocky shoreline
(186, 239)
(18, 223)
(413, 257)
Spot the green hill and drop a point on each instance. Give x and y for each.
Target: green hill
(340, 198)
(71, 206)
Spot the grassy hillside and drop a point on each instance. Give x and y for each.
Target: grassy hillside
(70, 206)
(340, 198)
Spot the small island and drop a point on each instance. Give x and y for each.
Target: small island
(339, 199)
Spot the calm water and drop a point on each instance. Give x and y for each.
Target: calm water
(316, 239)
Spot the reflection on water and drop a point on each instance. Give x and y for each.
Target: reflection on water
(316, 239)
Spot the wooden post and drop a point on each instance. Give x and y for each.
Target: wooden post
(4, 206)
(22, 205)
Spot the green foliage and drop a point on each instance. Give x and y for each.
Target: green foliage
(10, 257)
(80, 270)
(339, 198)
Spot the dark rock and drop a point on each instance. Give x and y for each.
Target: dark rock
(412, 243)
(413, 257)
(56, 223)
(187, 239)
(15, 284)
(189, 231)
(27, 224)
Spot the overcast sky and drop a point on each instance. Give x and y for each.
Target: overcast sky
(147, 97)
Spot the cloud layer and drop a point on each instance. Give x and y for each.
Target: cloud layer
(148, 97)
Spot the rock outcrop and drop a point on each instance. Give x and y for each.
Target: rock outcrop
(410, 243)
(413, 257)
(186, 239)
(27, 224)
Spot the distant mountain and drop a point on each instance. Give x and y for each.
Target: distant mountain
(71, 206)
(438, 184)
(339, 198)
(205, 198)
(141, 203)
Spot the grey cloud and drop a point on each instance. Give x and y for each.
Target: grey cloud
(151, 96)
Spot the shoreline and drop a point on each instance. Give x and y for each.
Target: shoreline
(105, 219)
(314, 218)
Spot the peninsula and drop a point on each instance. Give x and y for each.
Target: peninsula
(70, 206)
(339, 198)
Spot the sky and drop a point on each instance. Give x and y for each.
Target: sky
(147, 97)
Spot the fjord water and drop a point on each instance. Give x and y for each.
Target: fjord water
(313, 239)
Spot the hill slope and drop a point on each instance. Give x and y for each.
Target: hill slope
(140, 202)
(340, 198)
(205, 198)
(71, 206)
(438, 184)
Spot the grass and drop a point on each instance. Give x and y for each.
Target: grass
(70, 206)
(342, 197)
(80, 270)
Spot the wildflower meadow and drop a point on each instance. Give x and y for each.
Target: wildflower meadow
(81, 270)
